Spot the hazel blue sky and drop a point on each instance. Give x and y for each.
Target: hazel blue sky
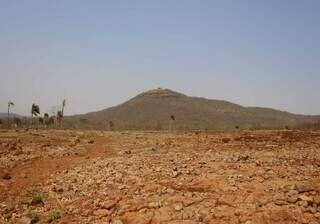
(98, 54)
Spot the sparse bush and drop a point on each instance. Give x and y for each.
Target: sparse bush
(41, 120)
(83, 120)
(111, 125)
(54, 215)
(34, 218)
(17, 121)
(37, 197)
(172, 119)
(81, 152)
(50, 121)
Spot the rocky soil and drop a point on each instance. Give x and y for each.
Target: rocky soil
(151, 177)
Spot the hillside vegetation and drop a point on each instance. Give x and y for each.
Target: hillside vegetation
(153, 110)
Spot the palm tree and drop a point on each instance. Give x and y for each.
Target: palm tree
(10, 104)
(63, 106)
(172, 119)
(59, 117)
(60, 113)
(41, 121)
(35, 111)
(50, 121)
(46, 118)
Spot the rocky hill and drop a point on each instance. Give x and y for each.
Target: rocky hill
(154, 110)
(4, 116)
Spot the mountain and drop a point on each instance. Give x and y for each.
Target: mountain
(5, 115)
(153, 109)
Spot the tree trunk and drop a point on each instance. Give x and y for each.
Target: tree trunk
(8, 116)
(170, 125)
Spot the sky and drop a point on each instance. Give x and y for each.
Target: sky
(98, 54)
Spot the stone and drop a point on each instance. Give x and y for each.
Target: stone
(143, 217)
(280, 202)
(312, 210)
(292, 199)
(226, 140)
(306, 198)
(101, 212)
(57, 189)
(175, 174)
(222, 185)
(316, 199)
(24, 220)
(292, 192)
(108, 204)
(163, 214)
(4, 174)
(178, 206)
(154, 205)
(303, 204)
(303, 187)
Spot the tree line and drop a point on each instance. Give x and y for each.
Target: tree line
(55, 119)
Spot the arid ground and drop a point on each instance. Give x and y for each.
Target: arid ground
(50, 176)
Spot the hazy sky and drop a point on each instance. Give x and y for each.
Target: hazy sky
(98, 54)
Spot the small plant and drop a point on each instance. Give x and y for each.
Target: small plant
(34, 218)
(111, 125)
(54, 215)
(17, 121)
(172, 119)
(59, 117)
(83, 120)
(50, 121)
(37, 197)
(82, 152)
(41, 120)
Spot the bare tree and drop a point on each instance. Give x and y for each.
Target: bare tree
(59, 117)
(46, 118)
(17, 122)
(10, 104)
(172, 119)
(35, 111)
(63, 106)
(60, 114)
(54, 118)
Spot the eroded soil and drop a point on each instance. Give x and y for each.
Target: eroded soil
(153, 177)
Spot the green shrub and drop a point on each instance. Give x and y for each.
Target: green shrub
(34, 218)
(37, 196)
(54, 215)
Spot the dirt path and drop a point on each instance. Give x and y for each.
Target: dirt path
(37, 171)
